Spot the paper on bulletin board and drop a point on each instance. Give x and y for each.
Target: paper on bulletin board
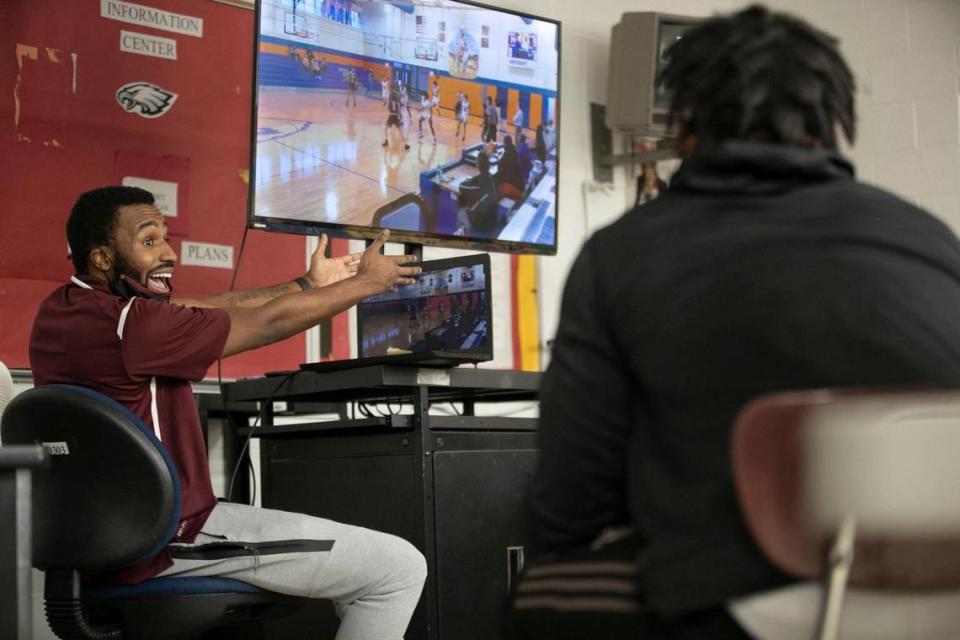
(166, 177)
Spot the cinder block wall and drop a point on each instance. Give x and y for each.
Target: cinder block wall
(906, 58)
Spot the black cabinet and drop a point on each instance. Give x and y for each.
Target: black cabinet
(455, 486)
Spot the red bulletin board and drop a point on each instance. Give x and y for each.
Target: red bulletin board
(64, 130)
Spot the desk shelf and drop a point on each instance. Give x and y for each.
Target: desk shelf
(389, 382)
(393, 423)
(386, 423)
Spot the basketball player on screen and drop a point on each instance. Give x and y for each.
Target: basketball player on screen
(352, 82)
(405, 103)
(426, 113)
(436, 97)
(462, 117)
(393, 120)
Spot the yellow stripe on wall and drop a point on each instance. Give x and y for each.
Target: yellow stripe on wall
(528, 322)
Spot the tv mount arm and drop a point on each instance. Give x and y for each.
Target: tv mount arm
(409, 248)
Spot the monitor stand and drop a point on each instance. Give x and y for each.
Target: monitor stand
(413, 249)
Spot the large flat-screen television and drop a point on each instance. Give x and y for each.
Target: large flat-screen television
(374, 114)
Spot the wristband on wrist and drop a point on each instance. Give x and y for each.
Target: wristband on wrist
(303, 282)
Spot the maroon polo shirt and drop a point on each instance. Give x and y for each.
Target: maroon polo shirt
(143, 353)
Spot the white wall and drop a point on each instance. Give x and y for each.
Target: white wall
(904, 54)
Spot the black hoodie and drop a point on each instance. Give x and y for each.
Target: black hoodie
(761, 268)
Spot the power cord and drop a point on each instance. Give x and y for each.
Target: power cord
(253, 427)
(223, 398)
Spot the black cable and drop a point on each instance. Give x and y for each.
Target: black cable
(253, 481)
(223, 398)
(253, 427)
(236, 268)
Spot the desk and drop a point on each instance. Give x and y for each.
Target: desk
(455, 486)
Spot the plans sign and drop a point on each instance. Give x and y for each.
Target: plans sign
(150, 17)
(203, 254)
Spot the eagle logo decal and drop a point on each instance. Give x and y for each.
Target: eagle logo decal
(145, 99)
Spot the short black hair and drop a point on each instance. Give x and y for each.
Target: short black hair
(93, 219)
(759, 75)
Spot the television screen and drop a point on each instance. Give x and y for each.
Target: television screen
(438, 121)
(668, 32)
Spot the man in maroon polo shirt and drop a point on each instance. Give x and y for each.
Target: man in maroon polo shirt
(116, 329)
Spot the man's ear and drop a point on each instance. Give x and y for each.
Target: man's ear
(101, 259)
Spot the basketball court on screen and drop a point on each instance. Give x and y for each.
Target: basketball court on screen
(321, 112)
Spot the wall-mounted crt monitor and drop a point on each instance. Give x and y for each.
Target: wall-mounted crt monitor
(376, 113)
(635, 104)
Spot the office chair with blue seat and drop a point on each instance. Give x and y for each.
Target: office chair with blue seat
(110, 498)
(857, 488)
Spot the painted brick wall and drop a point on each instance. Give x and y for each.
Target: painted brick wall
(904, 54)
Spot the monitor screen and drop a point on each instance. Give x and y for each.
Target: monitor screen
(669, 31)
(438, 121)
(447, 309)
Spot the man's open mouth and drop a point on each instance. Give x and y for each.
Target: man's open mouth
(159, 282)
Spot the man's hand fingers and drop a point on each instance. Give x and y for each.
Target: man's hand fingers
(322, 245)
(351, 258)
(376, 244)
(409, 271)
(406, 281)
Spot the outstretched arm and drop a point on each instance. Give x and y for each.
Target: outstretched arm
(289, 314)
(323, 272)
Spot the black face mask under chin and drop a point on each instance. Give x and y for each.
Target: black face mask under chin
(126, 287)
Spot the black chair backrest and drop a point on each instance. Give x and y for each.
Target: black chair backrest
(110, 496)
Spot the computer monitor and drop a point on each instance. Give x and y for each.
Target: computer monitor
(446, 310)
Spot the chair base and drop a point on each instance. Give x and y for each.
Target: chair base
(156, 616)
(187, 617)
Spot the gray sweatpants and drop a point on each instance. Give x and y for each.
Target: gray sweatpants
(374, 579)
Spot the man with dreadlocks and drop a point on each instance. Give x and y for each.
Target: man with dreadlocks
(765, 266)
